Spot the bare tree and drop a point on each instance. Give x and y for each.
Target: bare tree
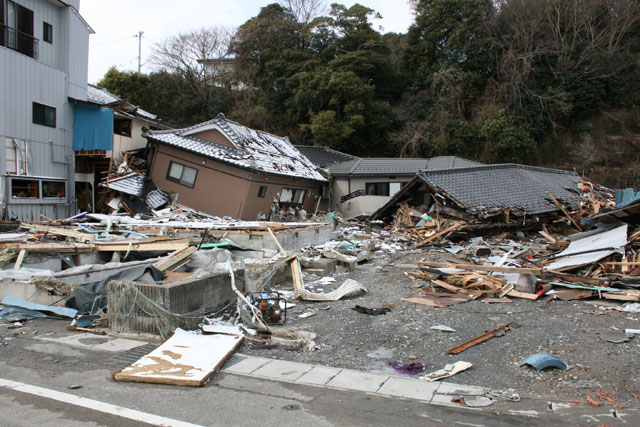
(305, 10)
(190, 54)
(576, 38)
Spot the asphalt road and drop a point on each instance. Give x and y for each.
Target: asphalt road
(42, 383)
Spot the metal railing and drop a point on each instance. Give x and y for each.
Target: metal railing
(352, 195)
(18, 41)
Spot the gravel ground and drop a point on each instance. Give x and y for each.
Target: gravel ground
(569, 330)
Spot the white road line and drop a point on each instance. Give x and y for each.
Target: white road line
(95, 405)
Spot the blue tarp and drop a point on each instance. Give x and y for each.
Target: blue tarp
(92, 128)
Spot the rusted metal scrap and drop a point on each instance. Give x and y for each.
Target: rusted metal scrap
(479, 339)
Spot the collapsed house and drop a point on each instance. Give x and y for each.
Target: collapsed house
(223, 168)
(488, 197)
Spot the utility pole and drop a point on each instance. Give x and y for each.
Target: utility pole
(139, 36)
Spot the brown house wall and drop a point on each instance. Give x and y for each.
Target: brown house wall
(213, 135)
(224, 190)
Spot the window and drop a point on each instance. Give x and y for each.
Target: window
(292, 196)
(262, 191)
(53, 189)
(25, 188)
(377, 188)
(122, 127)
(47, 32)
(182, 174)
(44, 115)
(16, 30)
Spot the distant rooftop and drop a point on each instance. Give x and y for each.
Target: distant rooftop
(397, 166)
(323, 156)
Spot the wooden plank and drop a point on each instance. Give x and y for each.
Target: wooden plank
(280, 248)
(52, 247)
(81, 237)
(18, 263)
(438, 234)
(523, 295)
(184, 359)
(474, 267)
(548, 236)
(174, 258)
(296, 274)
(143, 245)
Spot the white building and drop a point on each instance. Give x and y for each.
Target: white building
(44, 46)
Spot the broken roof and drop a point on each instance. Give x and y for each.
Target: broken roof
(494, 187)
(324, 156)
(102, 96)
(135, 184)
(252, 149)
(397, 166)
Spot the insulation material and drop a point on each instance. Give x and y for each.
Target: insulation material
(184, 359)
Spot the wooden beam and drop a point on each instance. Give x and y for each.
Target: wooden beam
(81, 237)
(473, 267)
(564, 210)
(18, 263)
(438, 234)
(477, 340)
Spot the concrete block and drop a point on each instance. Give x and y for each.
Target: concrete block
(409, 388)
(246, 365)
(461, 390)
(445, 400)
(319, 375)
(323, 266)
(355, 380)
(282, 370)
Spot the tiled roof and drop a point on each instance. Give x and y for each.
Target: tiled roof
(510, 186)
(397, 166)
(102, 96)
(324, 156)
(255, 150)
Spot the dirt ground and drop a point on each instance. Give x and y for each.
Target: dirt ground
(569, 330)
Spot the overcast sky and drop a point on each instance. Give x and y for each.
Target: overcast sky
(116, 22)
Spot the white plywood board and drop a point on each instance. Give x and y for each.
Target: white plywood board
(186, 358)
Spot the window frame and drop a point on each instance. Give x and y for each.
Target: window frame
(262, 191)
(375, 186)
(47, 32)
(60, 184)
(180, 180)
(36, 116)
(13, 188)
(298, 196)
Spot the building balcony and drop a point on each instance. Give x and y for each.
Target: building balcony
(21, 42)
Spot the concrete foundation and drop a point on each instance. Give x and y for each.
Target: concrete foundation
(291, 240)
(27, 292)
(188, 297)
